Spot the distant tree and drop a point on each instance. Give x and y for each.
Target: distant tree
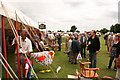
(98, 31)
(104, 30)
(115, 28)
(73, 28)
(112, 28)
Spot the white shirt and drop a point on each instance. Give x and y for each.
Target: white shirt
(26, 45)
(83, 39)
(27, 66)
(69, 44)
(51, 36)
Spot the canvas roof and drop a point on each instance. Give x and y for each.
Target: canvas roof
(11, 13)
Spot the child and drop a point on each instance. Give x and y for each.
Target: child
(27, 67)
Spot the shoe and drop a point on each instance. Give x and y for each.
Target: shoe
(75, 63)
(69, 61)
(108, 68)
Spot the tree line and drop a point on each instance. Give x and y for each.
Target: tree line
(114, 28)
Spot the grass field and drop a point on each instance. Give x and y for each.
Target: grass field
(61, 59)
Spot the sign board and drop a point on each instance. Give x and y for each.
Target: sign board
(42, 26)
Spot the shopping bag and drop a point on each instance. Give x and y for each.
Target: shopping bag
(79, 57)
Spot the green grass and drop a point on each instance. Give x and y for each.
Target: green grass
(61, 59)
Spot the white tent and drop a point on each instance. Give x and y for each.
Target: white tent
(12, 11)
(8, 11)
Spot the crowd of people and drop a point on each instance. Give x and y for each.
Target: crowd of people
(112, 41)
(86, 44)
(78, 43)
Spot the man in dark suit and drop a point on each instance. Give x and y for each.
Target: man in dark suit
(75, 47)
(93, 48)
(59, 37)
(83, 41)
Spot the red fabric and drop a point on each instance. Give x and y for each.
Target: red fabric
(51, 54)
(23, 66)
(41, 58)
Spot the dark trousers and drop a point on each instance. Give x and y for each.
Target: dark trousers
(111, 61)
(59, 46)
(83, 51)
(93, 59)
(74, 57)
(70, 55)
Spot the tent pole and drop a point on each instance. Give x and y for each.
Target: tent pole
(17, 49)
(4, 44)
(1, 45)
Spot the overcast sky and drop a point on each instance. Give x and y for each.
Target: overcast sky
(62, 14)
